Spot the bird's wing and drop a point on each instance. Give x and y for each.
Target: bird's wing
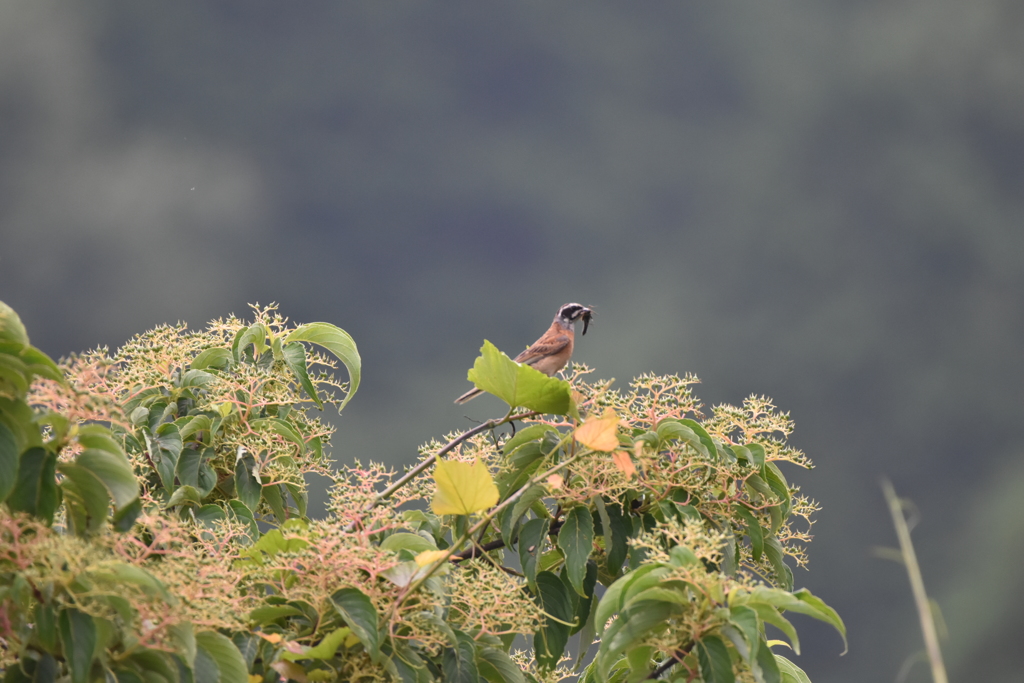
(542, 348)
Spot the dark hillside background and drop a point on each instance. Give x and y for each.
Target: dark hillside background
(820, 202)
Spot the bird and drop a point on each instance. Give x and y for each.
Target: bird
(552, 351)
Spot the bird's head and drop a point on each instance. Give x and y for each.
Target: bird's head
(568, 314)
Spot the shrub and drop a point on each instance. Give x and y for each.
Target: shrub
(155, 525)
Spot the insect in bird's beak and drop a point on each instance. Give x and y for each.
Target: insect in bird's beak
(587, 315)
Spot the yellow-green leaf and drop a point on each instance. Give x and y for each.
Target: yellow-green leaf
(463, 488)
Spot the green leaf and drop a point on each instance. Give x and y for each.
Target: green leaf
(773, 475)
(459, 664)
(218, 358)
(361, 616)
(585, 602)
(230, 664)
(754, 530)
(715, 663)
(8, 461)
(523, 435)
(802, 601)
(244, 515)
(531, 541)
(114, 471)
(414, 543)
(36, 491)
(526, 501)
(325, 649)
(462, 488)
(767, 666)
(272, 494)
(523, 464)
(675, 430)
(497, 667)
(757, 454)
(744, 619)
(46, 626)
(617, 531)
(124, 519)
(196, 378)
(705, 438)
(339, 343)
(115, 575)
(576, 539)
(183, 495)
(300, 497)
(247, 484)
(167, 444)
(817, 608)
(790, 672)
(255, 335)
(271, 613)
(520, 385)
(97, 436)
(11, 327)
(193, 424)
(770, 615)
(633, 624)
(776, 555)
(78, 636)
(550, 640)
(294, 355)
(86, 498)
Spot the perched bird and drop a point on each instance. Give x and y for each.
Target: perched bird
(552, 351)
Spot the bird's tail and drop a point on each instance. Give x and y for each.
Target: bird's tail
(469, 395)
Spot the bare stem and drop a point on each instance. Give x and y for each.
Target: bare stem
(416, 471)
(924, 610)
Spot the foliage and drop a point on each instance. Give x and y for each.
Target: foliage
(657, 533)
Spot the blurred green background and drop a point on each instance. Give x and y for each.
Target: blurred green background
(821, 202)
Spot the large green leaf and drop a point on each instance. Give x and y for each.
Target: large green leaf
(8, 461)
(550, 640)
(754, 530)
(247, 486)
(78, 636)
(767, 670)
(36, 491)
(459, 665)
(339, 343)
(85, 497)
(361, 616)
(294, 355)
(114, 471)
(520, 385)
(496, 666)
(219, 358)
(531, 542)
(230, 664)
(715, 663)
(776, 555)
(625, 587)
(632, 625)
(576, 539)
(167, 445)
(11, 327)
(790, 672)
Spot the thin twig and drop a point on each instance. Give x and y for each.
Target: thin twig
(416, 471)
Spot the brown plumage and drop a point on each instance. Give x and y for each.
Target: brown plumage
(552, 351)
